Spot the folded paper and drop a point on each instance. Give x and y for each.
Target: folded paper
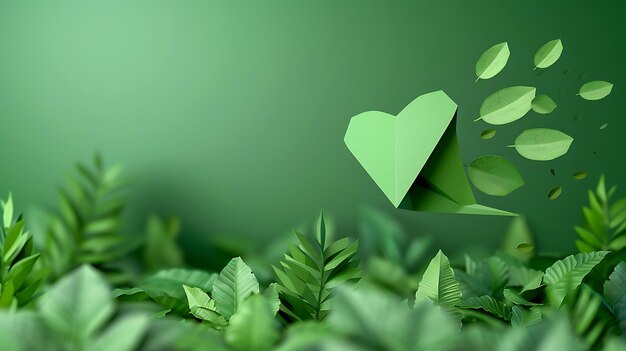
(414, 157)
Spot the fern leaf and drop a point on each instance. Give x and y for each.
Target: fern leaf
(567, 274)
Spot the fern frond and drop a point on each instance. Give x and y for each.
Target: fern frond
(310, 272)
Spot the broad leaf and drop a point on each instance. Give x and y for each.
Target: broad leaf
(439, 284)
(555, 192)
(615, 293)
(494, 175)
(567, 274)
(595, 90)
(543, 104)
(548, 54)
(542, 144)
(234, 284)
(492, 61)
(253, 327)
(507, 105)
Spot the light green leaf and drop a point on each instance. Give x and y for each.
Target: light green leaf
(548, 54)
(543, 104)
(494, 175)
(271, 294)
(518, 233)
(488, 304)
(579, 175)
(507, 105)
(555, 192)
(439, 284)
(234, 284)
(78, 305)
(567, 274)
(253, 327)
(542, 144)
(488, 134)
(492, 61)
(7, 214)
(124, 335)
(198, 298)
(615, 293)
(595, 90)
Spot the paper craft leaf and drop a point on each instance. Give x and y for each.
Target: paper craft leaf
(567, 274)
(555, 193)
(494, 175)
(542, 144)
(595, 90)
(525, 247)
(548, 54)
(543, 104)
(579, 175)
(488, 134)
(507, 105)
(492, 61)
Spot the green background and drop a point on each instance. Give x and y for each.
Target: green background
(231, 114)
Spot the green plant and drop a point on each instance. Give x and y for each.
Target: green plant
(311, 271)
(18, 282)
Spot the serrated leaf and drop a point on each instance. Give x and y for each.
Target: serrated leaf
(555, 192)
(234, 284)
(548, 54)
(567, 274)
(438, 283)
(595, 90)
(579, 175)
(542, 144)
(507, 105)
(543, 104)
(488, 134)
(492, 61)
(494, 175)
(253, 327)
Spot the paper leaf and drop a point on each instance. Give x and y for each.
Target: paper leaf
(492, 61)
(525, 248)
(543, 104)
(507, 105)
(580, 175)
(542, 144)
(595, 90)
(555, 192)
(494, 175)
(488, 134)
(548, 54)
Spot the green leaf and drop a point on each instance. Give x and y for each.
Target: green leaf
(488, 134)
(580, 175)
(521, 317)
(543, 104)
(567, 274)
(492, 61)
(595, 90)
(615, 293)
(555, 192)
(198, 298)
(488, 304)
(124, 335)
(271, 294)
(526, 278)
(234, 284)
(542, 144)
(253, 327)
(78, 305)
(507, 105)
(494, 175)
(517, 234)
(548, 54)
(7, 212)
(439, 284)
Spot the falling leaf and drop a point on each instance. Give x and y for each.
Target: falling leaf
(552, 171)
(555, 192)
(488, 134)
(604, 126)
(525, 248)
(595, 90)
(548, 54)
(542, 144)
(494, 175)
(543, 104)
(507, 105)
(492, 61)
(579, 175)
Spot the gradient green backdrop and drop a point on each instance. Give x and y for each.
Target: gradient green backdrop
(231, 114)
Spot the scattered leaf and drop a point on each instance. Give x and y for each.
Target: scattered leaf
(555, 192)
(494, 175)
(604, 126)
(507, 105)
(492, 61)
(595, 90)
(542, 144)
(488, 134)
(543, 104)
(579, 175)
(525, 248)
(439, 284)
(548, 54)
(566, 275)
(552, 171)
